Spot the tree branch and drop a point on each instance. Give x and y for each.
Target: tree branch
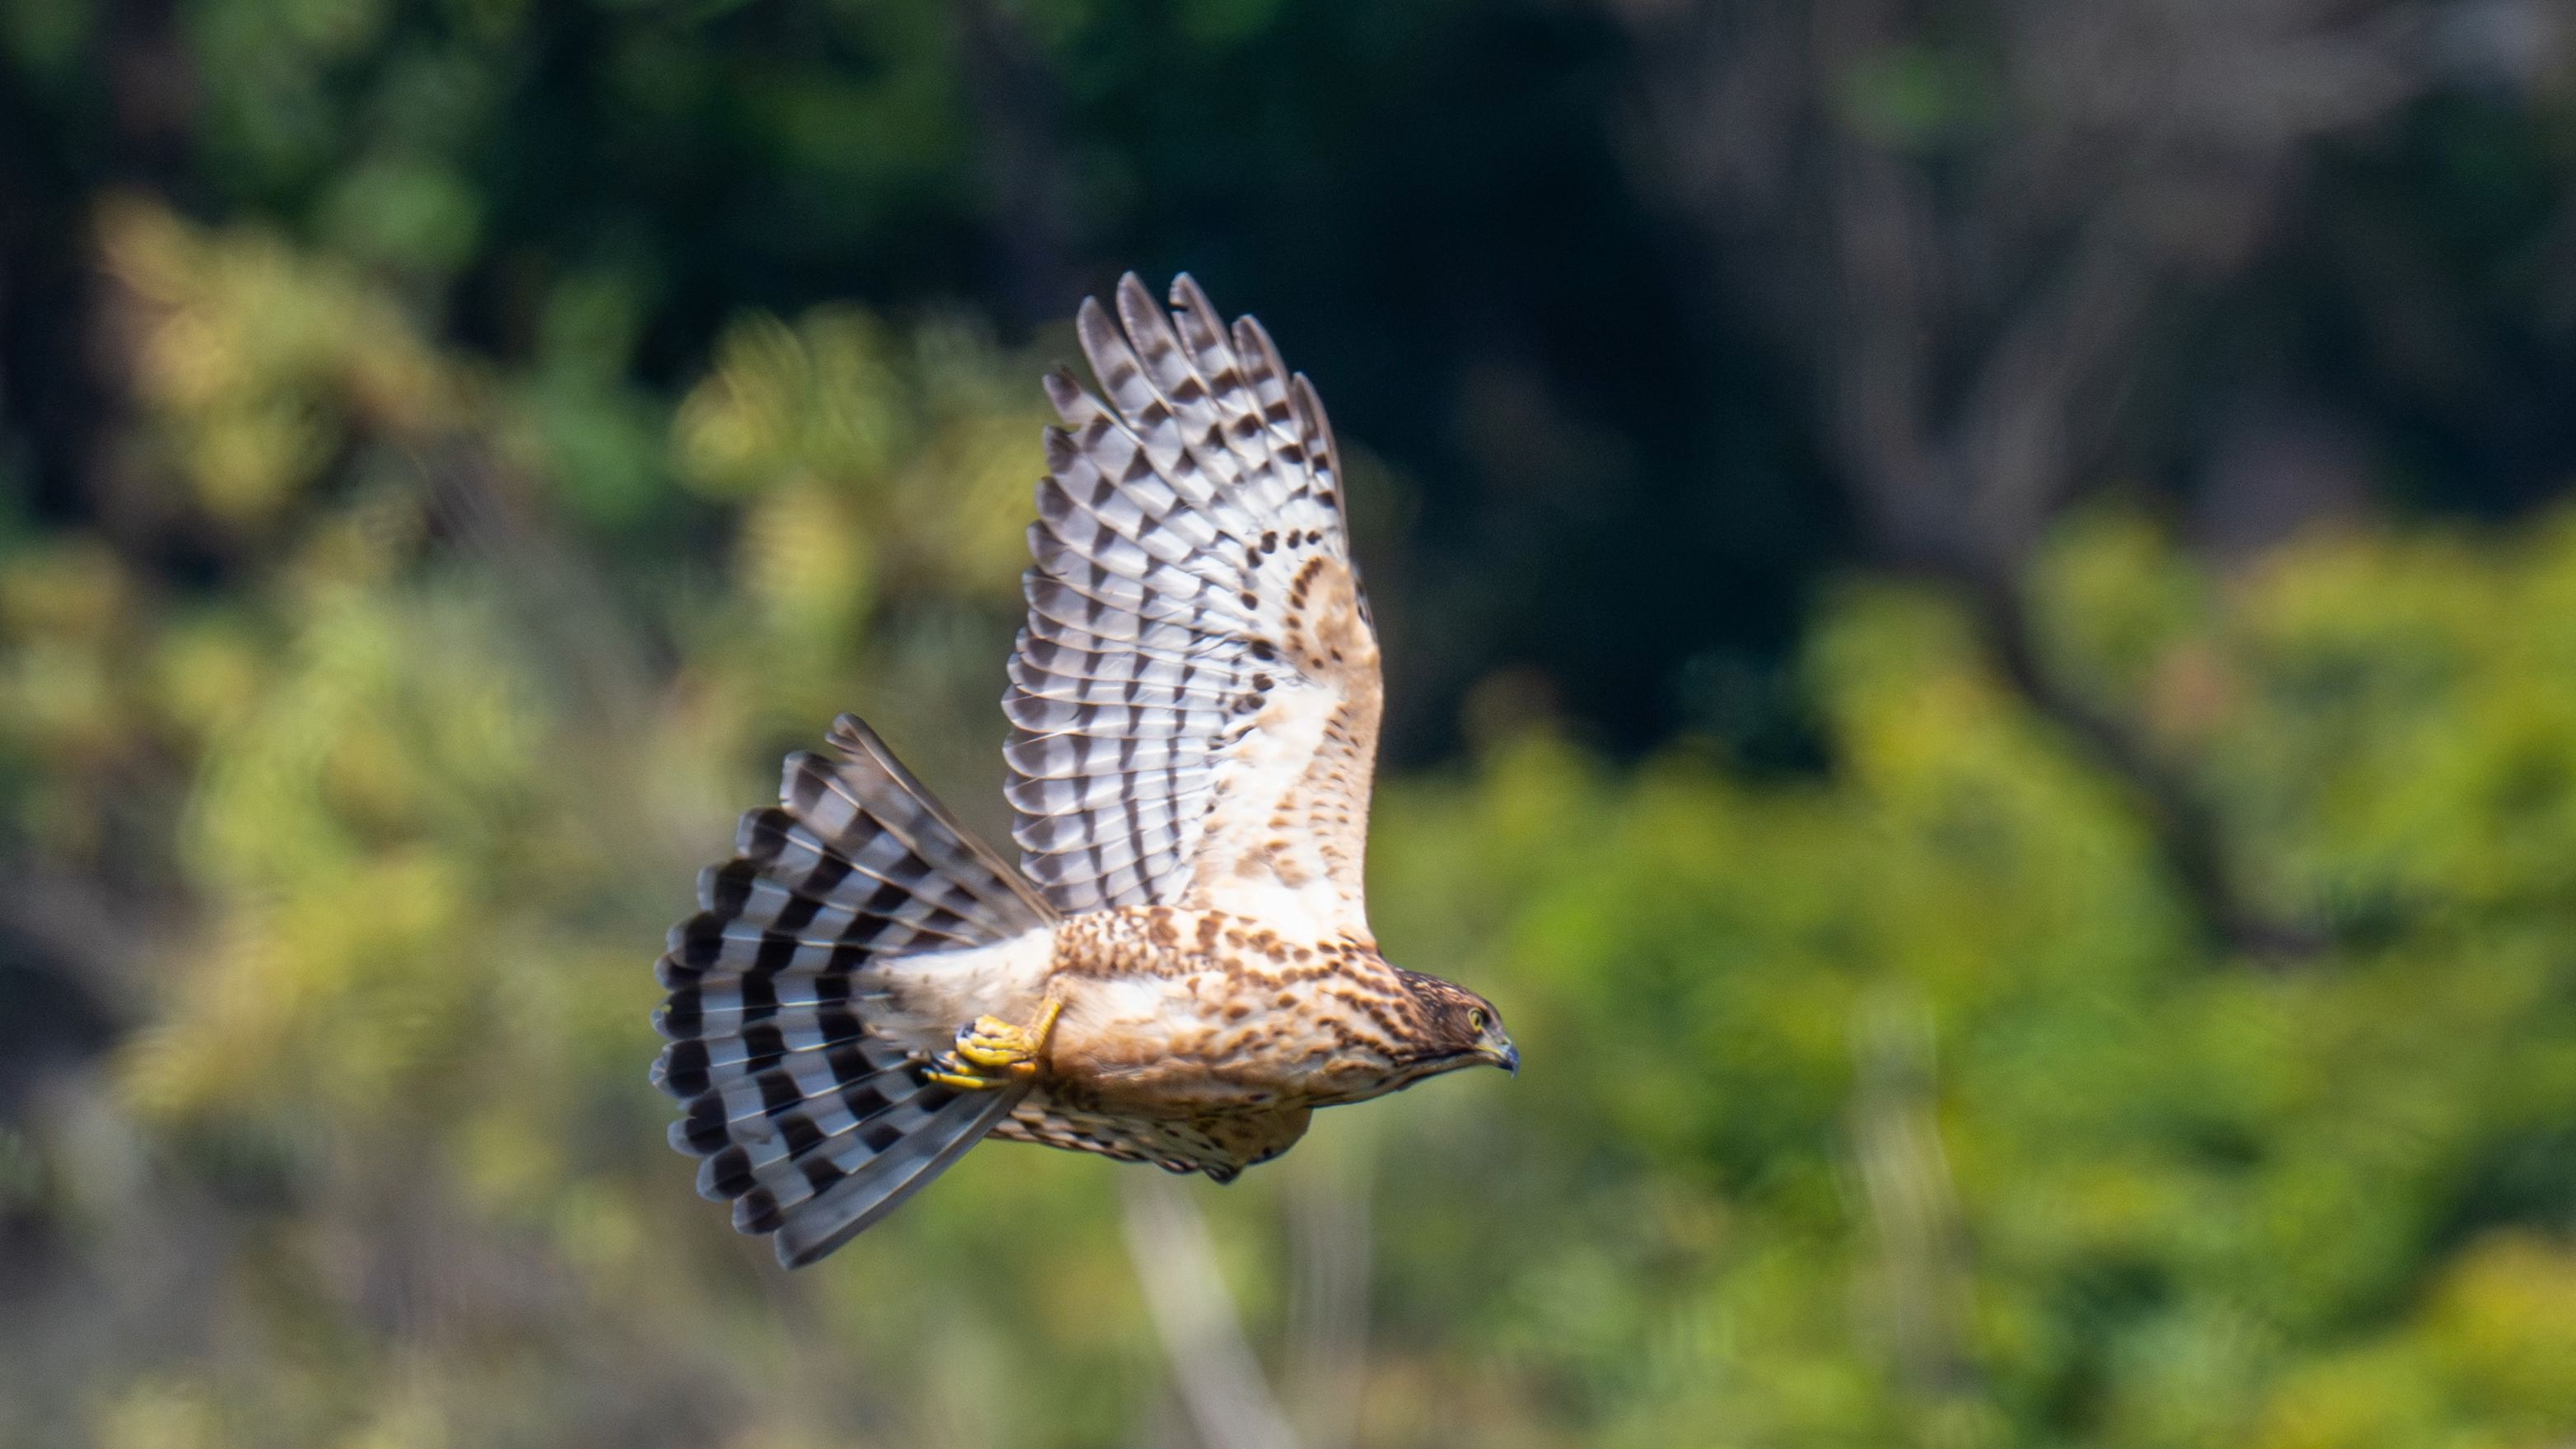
(1219, 1380)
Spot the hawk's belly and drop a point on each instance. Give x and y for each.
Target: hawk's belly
(1192, 1015)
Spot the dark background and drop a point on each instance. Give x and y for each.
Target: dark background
(1573, 269)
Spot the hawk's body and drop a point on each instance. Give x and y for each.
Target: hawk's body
(1195, 706)
(1197, 1039)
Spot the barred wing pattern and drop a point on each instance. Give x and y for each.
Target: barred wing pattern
(1195, 696)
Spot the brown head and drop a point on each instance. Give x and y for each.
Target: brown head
(1453, 1027)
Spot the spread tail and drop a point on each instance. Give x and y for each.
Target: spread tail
(810, 1125)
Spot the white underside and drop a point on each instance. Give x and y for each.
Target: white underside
(922, 999)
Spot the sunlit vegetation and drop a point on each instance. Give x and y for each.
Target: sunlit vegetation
(1900, 1101)
(1980, 614)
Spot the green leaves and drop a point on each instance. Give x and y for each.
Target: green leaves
(1902, 1100)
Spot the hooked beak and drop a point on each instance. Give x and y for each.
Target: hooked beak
(1509, 1058)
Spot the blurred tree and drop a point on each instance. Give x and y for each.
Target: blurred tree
(2000, 239)
(447, 451)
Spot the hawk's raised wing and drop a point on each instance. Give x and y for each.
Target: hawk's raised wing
(1196, 694)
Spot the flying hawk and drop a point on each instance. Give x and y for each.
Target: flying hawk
(1181, 968)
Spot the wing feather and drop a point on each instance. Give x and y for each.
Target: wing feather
(1051, 690)
(1196, 696)
(1052, 799)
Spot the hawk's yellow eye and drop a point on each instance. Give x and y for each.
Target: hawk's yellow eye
(1475, 1018)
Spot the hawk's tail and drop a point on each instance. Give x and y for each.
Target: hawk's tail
(813, 1127)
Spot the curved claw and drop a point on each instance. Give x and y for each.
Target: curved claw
(965, 1081)
(992, 1052)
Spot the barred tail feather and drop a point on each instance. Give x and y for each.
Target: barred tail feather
(812, 1126)
(849, 1206)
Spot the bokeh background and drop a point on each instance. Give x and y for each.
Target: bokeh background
(1980, 599)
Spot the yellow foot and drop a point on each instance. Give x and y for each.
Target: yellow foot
(992, 1052)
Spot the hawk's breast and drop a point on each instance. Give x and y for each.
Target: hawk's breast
(1177, 1013)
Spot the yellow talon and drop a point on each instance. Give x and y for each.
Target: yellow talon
(993, 1042)
(991, 1052)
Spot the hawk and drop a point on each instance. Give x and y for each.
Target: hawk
(1180, 969)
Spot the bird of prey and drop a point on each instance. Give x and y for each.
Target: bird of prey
(1180, 969)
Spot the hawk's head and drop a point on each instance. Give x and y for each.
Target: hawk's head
(1455, 1028)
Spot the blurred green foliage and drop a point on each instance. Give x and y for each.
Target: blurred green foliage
(442, 468)
(1900, 1102)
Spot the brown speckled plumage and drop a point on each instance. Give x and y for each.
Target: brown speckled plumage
(1195, 704)
(1249, 1032)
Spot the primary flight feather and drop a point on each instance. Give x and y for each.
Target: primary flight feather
(1180, 969)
